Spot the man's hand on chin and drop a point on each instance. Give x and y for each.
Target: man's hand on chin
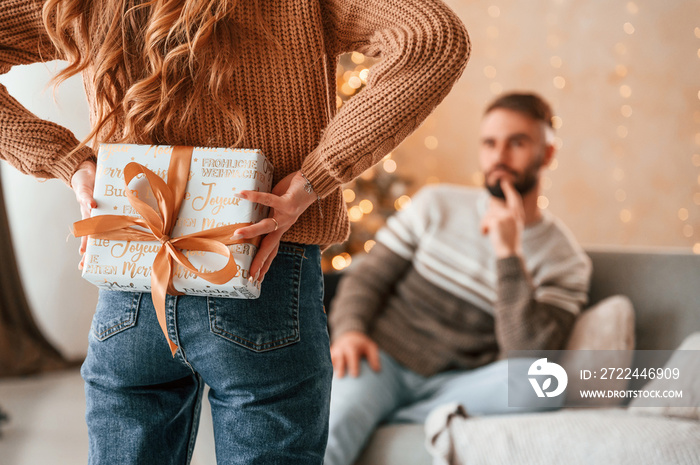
(504, 222)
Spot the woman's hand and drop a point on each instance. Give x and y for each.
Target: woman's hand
(288, 200)
(83, 184)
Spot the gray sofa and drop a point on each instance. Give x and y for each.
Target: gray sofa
(664, 288)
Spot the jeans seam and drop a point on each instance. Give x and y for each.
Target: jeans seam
(195, 418)
(298, 292)
(104, 334)
(171, 324)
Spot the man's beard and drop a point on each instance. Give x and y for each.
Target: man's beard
(523, 183)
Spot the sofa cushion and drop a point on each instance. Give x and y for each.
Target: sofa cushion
(687, 359)
(608, 325)
(608, 329)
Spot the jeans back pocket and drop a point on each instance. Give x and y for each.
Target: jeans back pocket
(116, 311)
(270, 321)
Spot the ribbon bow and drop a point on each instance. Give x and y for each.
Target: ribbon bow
(169, 198)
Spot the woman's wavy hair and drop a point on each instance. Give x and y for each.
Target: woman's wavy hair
(153, 61)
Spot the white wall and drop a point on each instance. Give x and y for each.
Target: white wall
(41, 213)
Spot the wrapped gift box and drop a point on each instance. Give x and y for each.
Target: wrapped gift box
(216, 175)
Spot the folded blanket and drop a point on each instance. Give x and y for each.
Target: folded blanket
(574, 437)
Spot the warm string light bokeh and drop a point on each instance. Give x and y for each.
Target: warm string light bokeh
(377, 193)
(689, 230)
(622, 79)
(371, 199)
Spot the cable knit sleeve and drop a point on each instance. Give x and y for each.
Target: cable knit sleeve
(423, 47)
(364, 289)
(30, 144)
(522, 322)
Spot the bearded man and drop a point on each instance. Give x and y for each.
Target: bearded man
(454, 282)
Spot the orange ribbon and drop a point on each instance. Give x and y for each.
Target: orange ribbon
(169, 198)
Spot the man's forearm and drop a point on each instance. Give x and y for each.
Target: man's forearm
(523, 323)
(363, 291)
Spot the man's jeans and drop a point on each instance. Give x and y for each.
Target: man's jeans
(266, 361)
(396, 394)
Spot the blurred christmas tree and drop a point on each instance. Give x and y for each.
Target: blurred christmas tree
(375, 195)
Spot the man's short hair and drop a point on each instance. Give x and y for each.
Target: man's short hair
(529, 104)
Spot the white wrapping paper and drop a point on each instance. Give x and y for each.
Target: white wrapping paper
(216, 174)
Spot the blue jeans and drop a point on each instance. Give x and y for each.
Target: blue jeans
(266, 361)
(396, 394)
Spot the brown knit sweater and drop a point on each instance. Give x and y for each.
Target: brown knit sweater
(288, 100)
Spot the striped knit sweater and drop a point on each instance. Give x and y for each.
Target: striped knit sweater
(433, 294)
(288, 100)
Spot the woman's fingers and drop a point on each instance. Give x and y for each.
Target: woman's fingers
(82, 261)
(87, 203)
(86, 206)
(83, 184)
(268, 261)
(287, 200)
(263, 198)
(264, 256)
(265, 226)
